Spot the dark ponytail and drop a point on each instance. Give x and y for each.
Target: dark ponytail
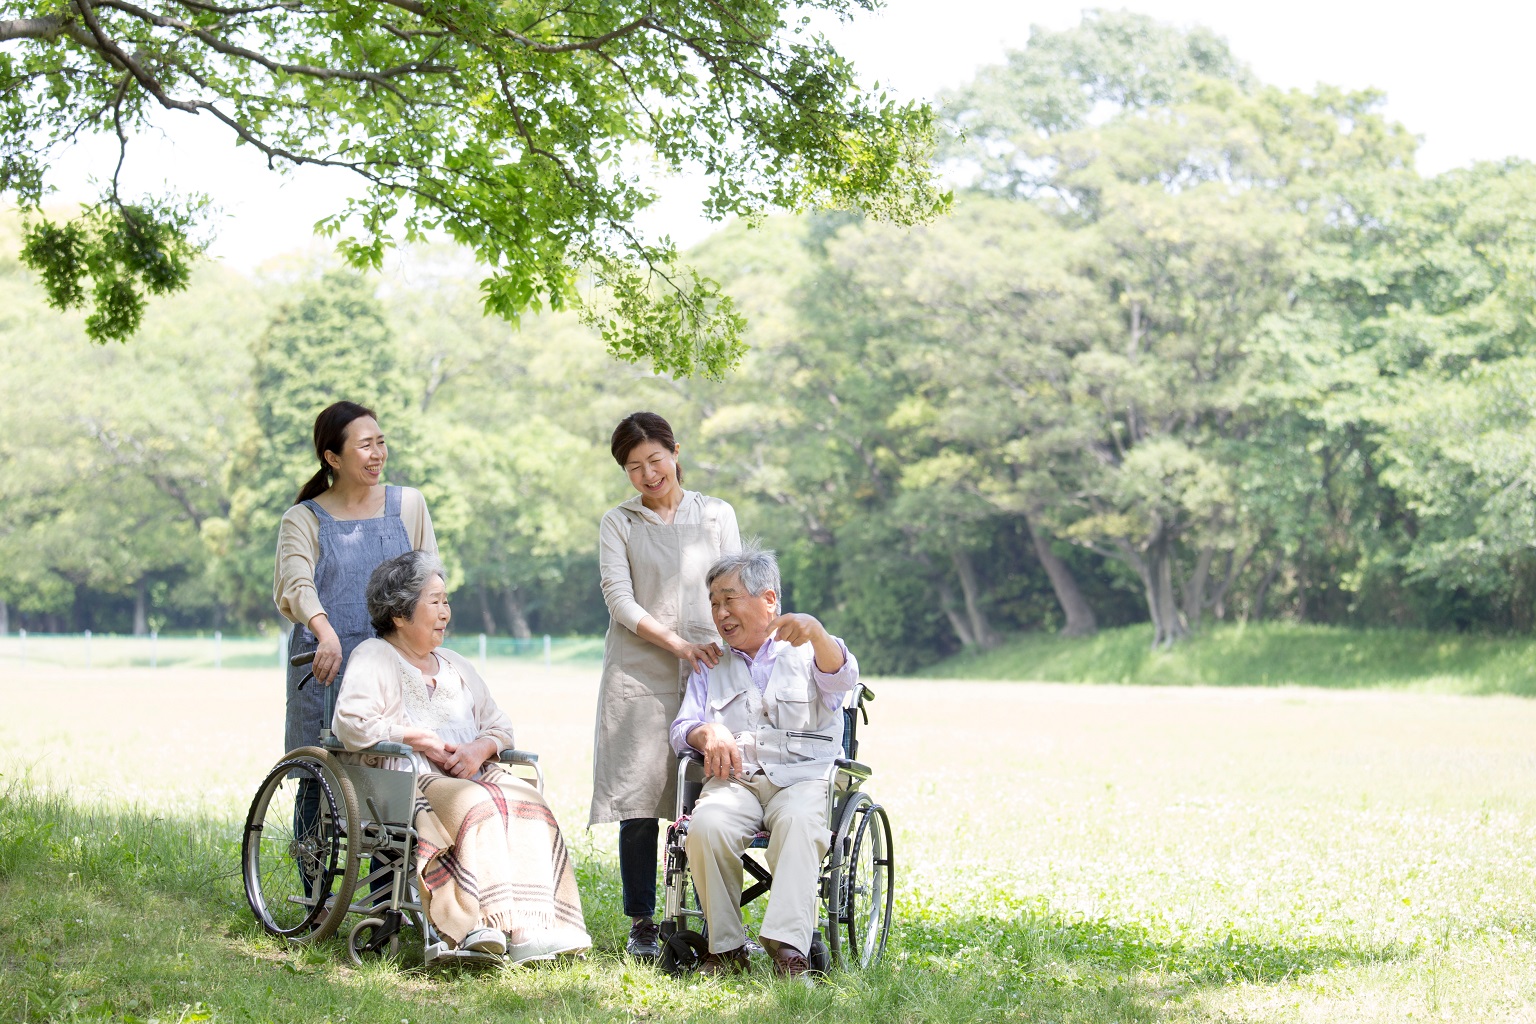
(330, 434)
(636, 429)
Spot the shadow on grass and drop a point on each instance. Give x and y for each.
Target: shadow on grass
(1053, 946)
(129, 914)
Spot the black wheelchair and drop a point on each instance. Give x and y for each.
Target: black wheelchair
(855, 887)
(319, 812)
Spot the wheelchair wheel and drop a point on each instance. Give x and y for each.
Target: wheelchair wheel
(375, 937)
(682, 952)
(819, 956)
(859, 893)
(295, 855)
(870, 893)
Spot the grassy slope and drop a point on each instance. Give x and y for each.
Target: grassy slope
(1265, 654)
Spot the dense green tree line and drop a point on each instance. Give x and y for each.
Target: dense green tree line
(1188, 347)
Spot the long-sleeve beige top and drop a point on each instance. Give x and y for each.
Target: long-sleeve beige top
(371, 706)
(298, 549)
(613, 546)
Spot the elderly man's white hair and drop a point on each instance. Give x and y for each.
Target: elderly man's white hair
(757, 568)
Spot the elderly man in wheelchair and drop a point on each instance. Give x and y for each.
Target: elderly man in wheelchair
(768, 724)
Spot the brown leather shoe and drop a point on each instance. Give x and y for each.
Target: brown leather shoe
(732, 961)
(789, 962)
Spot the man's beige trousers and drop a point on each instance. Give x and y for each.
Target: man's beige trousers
(725, 818)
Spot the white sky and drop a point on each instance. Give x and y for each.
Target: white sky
(1455, 74)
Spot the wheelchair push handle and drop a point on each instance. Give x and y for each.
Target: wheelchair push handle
(306, 658)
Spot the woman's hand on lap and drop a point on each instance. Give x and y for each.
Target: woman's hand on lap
(463, 760)
(429, 745)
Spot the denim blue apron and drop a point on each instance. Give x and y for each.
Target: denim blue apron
(350, 549)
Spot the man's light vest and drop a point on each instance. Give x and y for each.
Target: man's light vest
(794, 735)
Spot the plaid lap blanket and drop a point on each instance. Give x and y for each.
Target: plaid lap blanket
(490, 854)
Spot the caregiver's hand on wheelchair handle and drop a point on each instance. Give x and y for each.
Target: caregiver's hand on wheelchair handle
(327, 661)
(722, 757)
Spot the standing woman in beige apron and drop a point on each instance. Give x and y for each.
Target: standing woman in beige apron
(653, 552)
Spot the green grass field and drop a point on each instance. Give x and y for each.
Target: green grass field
(1065, 853)
(1265, 654)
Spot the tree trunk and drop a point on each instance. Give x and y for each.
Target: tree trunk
(1230, 572)
(1156, 572)
(1174, 626)
(517, 622)
(487, 620)
(5, 618)
(1301, 585)
(1194, 588)
(1080, 617)
(970, 588)
(956, 621)
(141, 609)
(1256, 613)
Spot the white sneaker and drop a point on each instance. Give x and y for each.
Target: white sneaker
(543, 949)
(485, 940)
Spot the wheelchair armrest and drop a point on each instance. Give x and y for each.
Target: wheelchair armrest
(510, 756)
(382, 747)
(857, 769)
(388, 747)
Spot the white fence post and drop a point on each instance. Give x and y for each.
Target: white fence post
(154, 648)
(546, 650)
(87, 648)
(23, 648)
(482, 652)
(218, 649)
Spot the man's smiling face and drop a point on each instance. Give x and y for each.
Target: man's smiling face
(741, 618)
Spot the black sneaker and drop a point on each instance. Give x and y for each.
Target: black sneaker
(644, 939)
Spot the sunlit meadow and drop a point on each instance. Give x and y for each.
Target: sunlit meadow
(1064, 853)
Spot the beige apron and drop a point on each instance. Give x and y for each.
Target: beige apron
(634, 771)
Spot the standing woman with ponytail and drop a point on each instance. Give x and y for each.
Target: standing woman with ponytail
(653, 552)
(345, 522)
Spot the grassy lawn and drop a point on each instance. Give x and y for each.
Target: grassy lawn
(1265, 654)
(1065, 853)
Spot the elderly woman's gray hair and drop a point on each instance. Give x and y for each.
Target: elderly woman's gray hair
(396, 585)
(755, 567)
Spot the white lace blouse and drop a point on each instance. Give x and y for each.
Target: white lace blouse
(382, 696)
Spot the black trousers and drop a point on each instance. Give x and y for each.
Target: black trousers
(638, 838)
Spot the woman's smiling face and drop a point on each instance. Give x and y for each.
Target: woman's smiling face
(425, 629)
(652, 469)
(363, 453)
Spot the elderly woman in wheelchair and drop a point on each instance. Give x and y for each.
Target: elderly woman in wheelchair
(414, 773)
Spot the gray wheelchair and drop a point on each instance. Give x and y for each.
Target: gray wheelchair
(856, 885)
(319, 812)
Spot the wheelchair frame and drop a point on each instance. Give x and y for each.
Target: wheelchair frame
(856, 884)
(301, 886)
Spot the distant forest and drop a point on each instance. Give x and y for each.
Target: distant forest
(1188, 347)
